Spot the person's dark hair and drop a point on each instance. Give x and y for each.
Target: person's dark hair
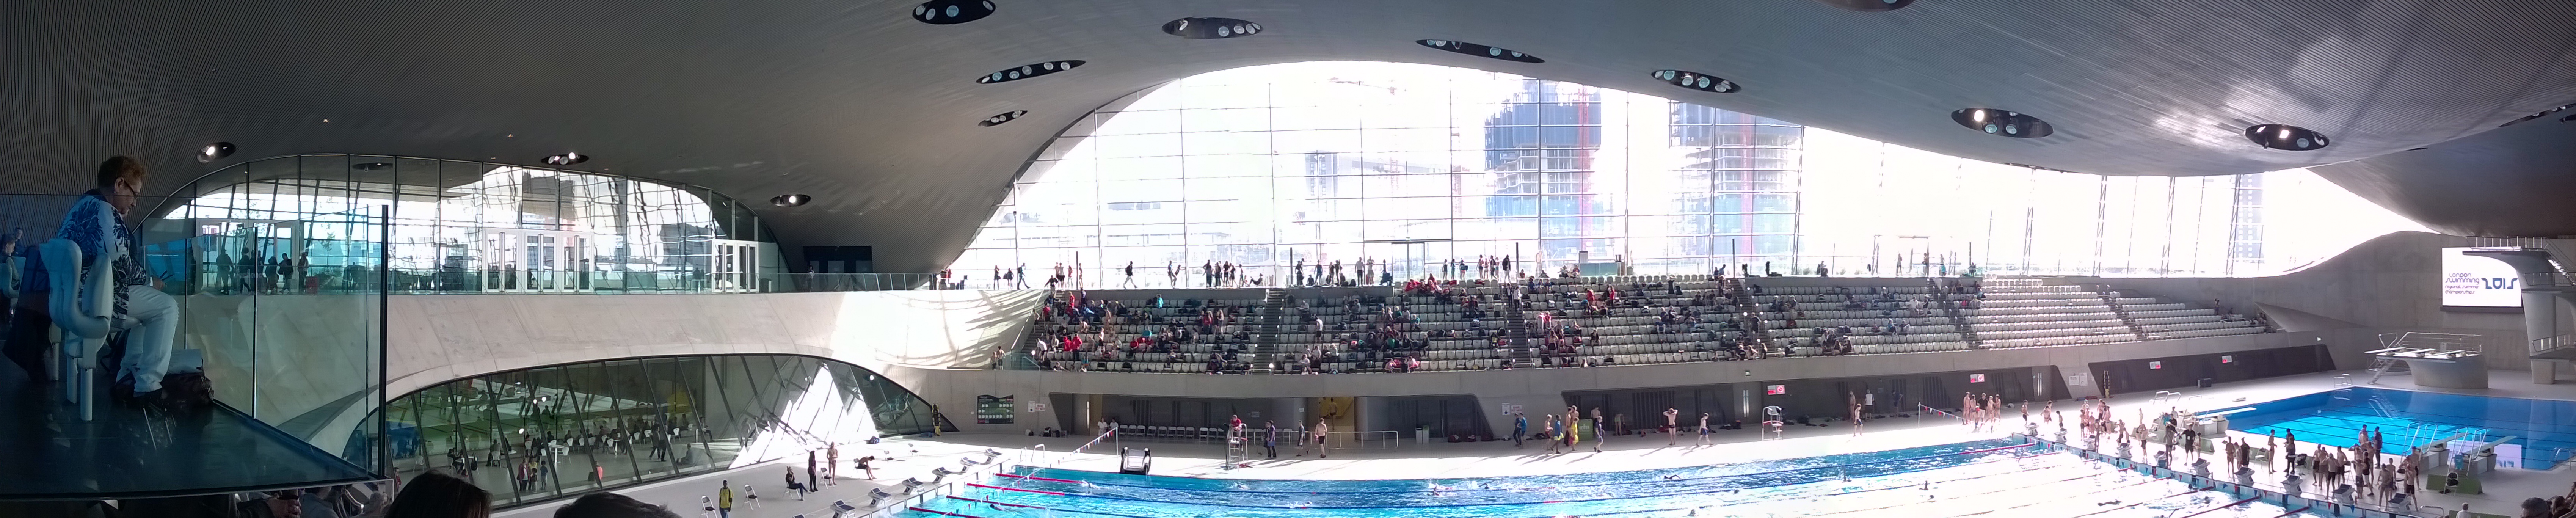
(611, 505)
(439, 495)
(116, 167)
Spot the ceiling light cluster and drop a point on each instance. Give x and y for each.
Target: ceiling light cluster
(2285, 137)
(944, 12)
(1028, 71)
(568, 158)
(998, 119)
(2542, 113)
(1472, 49)
(2002, 123)
(213, 151)
(1696, 81)
(790, 200)
(1210, 28)
(1869, 6)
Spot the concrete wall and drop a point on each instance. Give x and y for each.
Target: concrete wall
(2388, 284)
(435, 338)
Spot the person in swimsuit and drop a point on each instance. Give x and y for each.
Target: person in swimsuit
(1703, 429)
(1672, 426)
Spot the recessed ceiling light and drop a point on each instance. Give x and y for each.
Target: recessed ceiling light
(1869, 5)
(1029, 71)
(371, 166)
(1210, 28)
(2002, 123)
(1472, 49)
(790, 200)
(998, 119)
(944, 12)
(2285, 137)
(213, 151)
(568, 158)
(1696, 81)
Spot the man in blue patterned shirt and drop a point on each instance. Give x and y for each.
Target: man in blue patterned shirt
(149, 317)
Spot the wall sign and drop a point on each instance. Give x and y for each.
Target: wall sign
(2472, 281)
(1776, 390)
(1976, 378)
(995, 409)
(1037, 406)
(2226, 358)
(2155, 365)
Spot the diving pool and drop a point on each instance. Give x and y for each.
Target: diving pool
(1993, 477)
(2545, 429)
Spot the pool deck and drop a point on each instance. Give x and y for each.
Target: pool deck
(1437, 459)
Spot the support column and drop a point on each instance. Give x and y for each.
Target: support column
(2541, 285)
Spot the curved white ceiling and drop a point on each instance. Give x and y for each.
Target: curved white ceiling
(875, 114)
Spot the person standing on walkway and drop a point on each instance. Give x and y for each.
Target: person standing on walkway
(1672, 426)
(1270, 439)
(1323, 430)
(832, 465)
(724, 499)
(811, 480)
(1520, 428)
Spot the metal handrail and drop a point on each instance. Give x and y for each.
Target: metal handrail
(2552, 343)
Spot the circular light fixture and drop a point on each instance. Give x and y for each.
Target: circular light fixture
(1868, 6)
(2285, 137)
(372, 166)
(213, 151)
(1696, 81)
(1029, 71)
(946, 12)
(2002, 123)
(1472, 49)
(568, 158)
(790, 200)
(1210, 28)
(998, 119)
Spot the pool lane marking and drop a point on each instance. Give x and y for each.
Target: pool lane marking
(995, 503)
(2140, 502)
(1535, 488)
(1920, 502)
(2143, 480)
(943, 513)
(2301, 509)
(1013, 488)
(1604, 498)
(2257, 496)
(1037, 478)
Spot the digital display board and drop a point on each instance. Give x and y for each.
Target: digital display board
(2478, 282)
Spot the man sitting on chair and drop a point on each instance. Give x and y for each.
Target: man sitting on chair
(149, 317)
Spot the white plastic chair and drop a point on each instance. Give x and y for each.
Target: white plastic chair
(83, 305)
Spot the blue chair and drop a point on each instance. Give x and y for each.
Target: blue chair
(83, 306)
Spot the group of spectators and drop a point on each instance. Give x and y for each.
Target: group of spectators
(1534, 322)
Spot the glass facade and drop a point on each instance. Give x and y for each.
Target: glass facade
(557, 431)
(1281, 167)
(461, 226)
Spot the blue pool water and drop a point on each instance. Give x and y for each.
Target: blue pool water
(2547, 428)
(1991, 477)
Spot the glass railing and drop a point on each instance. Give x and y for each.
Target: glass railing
(293, 380)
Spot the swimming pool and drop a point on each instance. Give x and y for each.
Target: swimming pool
(1996, 477)
(2547, 428)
